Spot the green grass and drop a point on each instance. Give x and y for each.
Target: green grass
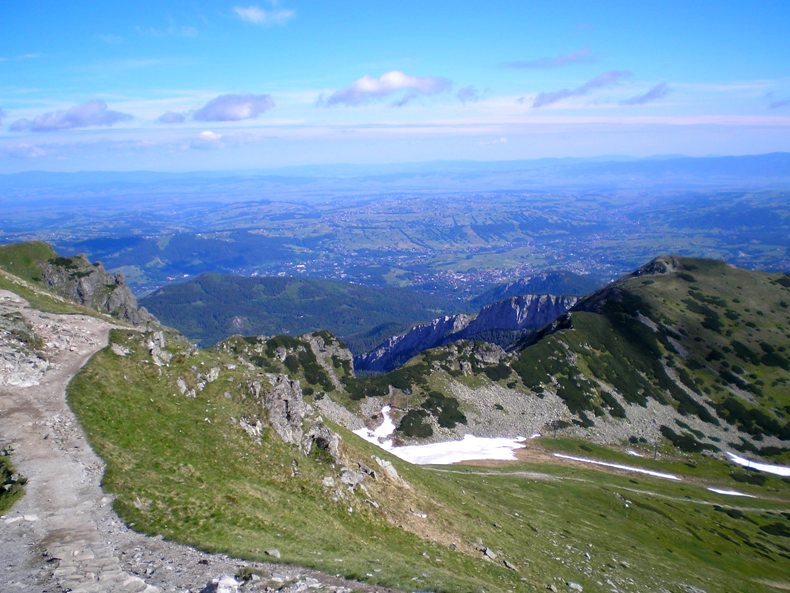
(11, 489)
(181, 467)
(23, 259)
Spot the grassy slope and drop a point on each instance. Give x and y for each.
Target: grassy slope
(181, 467)
(213, 307)
(22, 259)
(732, 332)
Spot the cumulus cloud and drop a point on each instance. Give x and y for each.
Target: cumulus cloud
(655, 93)
(171, 117)
(468, 94)
(207, 140)
(600, 81)
(234, 108)
(367, 88)
(580, 56)
(261, 16)
(92, 113)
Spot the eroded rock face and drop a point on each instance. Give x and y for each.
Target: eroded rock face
(286, 408)
(328, 350)
(531, 311)
(78, 280)
(398, 349)
(321, 437)
(517, 314)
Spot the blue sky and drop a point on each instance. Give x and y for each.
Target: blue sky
(182, 86)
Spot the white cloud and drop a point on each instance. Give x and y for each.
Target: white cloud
(367, 88)
(207, 140)
(234, 107)
(261, 16)
(92, 113)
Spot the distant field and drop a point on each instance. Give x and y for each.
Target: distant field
(446, 240)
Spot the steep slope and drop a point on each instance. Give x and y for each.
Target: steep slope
(499, 323)
(553, 282)
(687, 351)
(74, 278)
(212, 307)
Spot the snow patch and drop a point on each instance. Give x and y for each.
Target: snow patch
(634, 453)
(379, 436)
(467, 449)
(777, 470)
(627, 468)
(730, 492)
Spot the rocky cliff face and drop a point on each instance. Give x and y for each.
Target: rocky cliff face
(528, 312)
(516, 314)
(78, 280)
(399, 349)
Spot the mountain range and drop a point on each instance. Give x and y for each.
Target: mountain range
(246, 448)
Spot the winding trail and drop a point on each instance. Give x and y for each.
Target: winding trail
(62, 535)
(62, 518)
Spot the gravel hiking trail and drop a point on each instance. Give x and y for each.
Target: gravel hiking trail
(63, 535)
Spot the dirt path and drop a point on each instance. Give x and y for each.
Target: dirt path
(63, 535)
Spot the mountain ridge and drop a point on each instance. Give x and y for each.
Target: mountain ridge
(500, 323)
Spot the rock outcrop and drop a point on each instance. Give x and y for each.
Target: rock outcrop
(286, 408)
(90, 285)
(398, 349)
(329, 352)
(502, 323)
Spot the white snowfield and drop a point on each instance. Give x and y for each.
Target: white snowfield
(627, 468)
(467, 449)
(730, 492)
(778, 470)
